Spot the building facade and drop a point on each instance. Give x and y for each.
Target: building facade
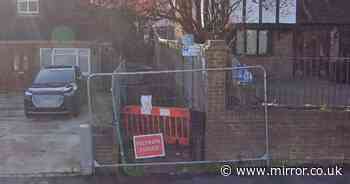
(37, 33)
(291, 28)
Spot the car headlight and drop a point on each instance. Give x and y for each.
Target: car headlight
(70, 88)
(28, 93)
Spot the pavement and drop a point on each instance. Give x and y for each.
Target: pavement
(44, 144)
(203, 179)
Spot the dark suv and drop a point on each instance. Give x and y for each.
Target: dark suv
(55, 90)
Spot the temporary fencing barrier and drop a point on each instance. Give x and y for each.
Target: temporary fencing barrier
(174, 123)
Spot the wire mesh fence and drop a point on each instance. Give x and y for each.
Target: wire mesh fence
(152, 103)
(167, 98)
(309, 82)
(300, 83)
(100, 103)
(245, 88)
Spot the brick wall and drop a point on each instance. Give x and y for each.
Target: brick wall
(296, 135)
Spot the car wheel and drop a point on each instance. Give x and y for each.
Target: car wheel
(27, 115)
(75, 114)
(75, 111)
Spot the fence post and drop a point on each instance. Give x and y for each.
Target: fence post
(86, 150)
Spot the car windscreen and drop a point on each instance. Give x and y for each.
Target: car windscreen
(54, 76)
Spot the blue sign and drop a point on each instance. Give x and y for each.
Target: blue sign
(242, 75)
(187, 40)
(191, 51)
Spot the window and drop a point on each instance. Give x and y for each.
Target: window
(263, 42)
(269, 11)
(287, 11)
(237, 15)
(252, 42)
(264, 11)
(28, 6)
(66, 56)
(54, 76)
(252, 11)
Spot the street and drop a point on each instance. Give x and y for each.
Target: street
(177, 180)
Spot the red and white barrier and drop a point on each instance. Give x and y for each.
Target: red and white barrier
(174, 123)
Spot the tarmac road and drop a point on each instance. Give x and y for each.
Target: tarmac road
(178, 180)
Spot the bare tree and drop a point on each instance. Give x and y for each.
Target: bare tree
(205, 19)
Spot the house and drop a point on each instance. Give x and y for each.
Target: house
(302, 44)
(288, 28)
(291, 28)
(36, 33)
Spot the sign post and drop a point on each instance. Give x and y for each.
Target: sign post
(149, 146)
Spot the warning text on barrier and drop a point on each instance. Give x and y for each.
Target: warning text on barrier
(149, 146)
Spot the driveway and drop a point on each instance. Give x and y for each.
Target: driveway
(47, 144)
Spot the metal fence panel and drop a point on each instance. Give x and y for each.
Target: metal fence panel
(309, 82)
(183, 138)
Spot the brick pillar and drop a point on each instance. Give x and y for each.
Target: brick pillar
(216, 54)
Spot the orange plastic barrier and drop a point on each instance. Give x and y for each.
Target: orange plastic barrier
(174, 123)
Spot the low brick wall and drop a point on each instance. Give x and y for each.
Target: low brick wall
(298, 135)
